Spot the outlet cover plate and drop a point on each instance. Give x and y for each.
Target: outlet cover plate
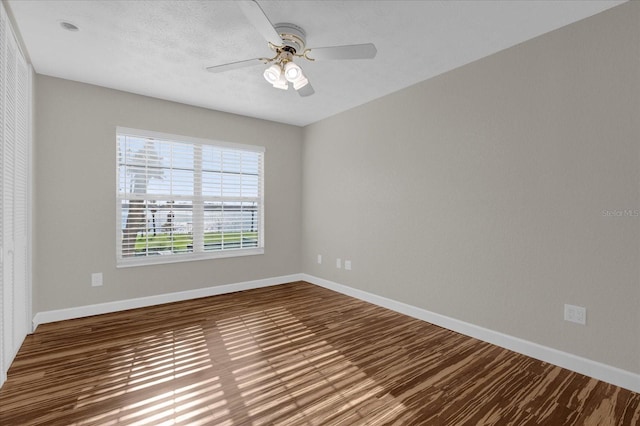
(577, 314)
(96, 279)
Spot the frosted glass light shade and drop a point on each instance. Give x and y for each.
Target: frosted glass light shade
(300, 83)
(272, 74)
(281, 83)
(292, 72)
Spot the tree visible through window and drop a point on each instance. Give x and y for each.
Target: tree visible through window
(185, 199)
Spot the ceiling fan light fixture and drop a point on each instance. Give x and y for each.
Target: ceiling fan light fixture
(288, 41)
(273, 73)
(292, 72)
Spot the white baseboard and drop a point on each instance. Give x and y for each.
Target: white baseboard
(121, 305)
(597, 370)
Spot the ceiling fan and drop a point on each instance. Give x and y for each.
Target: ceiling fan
(288, 41)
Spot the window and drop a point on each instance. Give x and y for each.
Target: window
(182, 198)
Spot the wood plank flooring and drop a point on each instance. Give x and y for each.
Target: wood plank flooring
(293, 354)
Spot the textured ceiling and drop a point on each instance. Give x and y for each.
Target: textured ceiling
(161, 48)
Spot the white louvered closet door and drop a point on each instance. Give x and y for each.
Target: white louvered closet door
(14, 154)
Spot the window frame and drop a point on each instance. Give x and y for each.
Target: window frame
(122, 262)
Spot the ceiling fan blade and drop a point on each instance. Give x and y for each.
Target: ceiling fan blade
(352, 51)
(306, 90)
(235, 65)
(257, 17)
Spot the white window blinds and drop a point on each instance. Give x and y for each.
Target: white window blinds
(182, 198)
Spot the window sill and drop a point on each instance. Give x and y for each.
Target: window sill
(187, 257)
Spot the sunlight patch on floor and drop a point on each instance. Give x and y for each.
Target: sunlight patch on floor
(290, 377)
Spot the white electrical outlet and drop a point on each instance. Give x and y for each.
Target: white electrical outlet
(338, 263)
(319, 259)
(577, 314)
(347, 265)
(96, 279)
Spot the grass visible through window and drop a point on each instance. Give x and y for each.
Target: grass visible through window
(178, 243)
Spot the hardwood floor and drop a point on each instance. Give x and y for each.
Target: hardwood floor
(294, 354)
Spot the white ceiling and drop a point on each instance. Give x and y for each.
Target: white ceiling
(161, 48)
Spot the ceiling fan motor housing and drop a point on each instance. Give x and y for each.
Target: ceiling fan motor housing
(292, 36)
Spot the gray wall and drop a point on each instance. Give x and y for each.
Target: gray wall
(479, 194)
(75, 195)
